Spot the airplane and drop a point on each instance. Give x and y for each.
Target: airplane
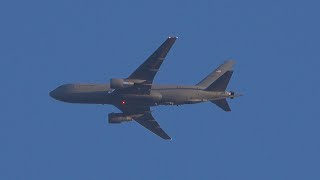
(135, 94)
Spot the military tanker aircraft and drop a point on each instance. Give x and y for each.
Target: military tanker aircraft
(135, 94)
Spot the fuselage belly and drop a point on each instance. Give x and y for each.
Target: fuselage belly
(159, 95)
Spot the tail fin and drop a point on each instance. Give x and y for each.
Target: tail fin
(217, 73)
(222, 103)
(218, 80)
(221, 83)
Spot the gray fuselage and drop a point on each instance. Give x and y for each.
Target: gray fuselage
(159, 95)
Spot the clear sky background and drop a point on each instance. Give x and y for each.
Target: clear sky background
(272, 132)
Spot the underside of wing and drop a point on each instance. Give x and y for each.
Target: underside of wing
(151, 66)
(146, 119)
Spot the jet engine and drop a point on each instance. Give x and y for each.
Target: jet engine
(116, 83)
(116, 118)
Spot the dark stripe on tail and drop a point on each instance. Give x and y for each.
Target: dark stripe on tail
(221, 83)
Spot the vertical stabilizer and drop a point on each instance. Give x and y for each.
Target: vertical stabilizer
(217, 73)
(221, 83)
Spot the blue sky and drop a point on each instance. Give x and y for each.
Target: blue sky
(272, 132)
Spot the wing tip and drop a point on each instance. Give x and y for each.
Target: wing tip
(172, 37)
(231, 61)
(166, 137)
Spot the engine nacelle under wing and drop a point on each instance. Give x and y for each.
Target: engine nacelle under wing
(117, 83)
(116, 118)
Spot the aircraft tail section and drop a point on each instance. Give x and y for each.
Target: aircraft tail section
(217, 73)
(223, 104)
(218, 81)
(221, 83)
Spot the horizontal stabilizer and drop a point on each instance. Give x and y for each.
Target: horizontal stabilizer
(222, 103)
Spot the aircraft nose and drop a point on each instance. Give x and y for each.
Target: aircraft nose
(61, 93)
(54, 94)
(57, 93)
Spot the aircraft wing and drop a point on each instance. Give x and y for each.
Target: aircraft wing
(146, 120)
(151, 66)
